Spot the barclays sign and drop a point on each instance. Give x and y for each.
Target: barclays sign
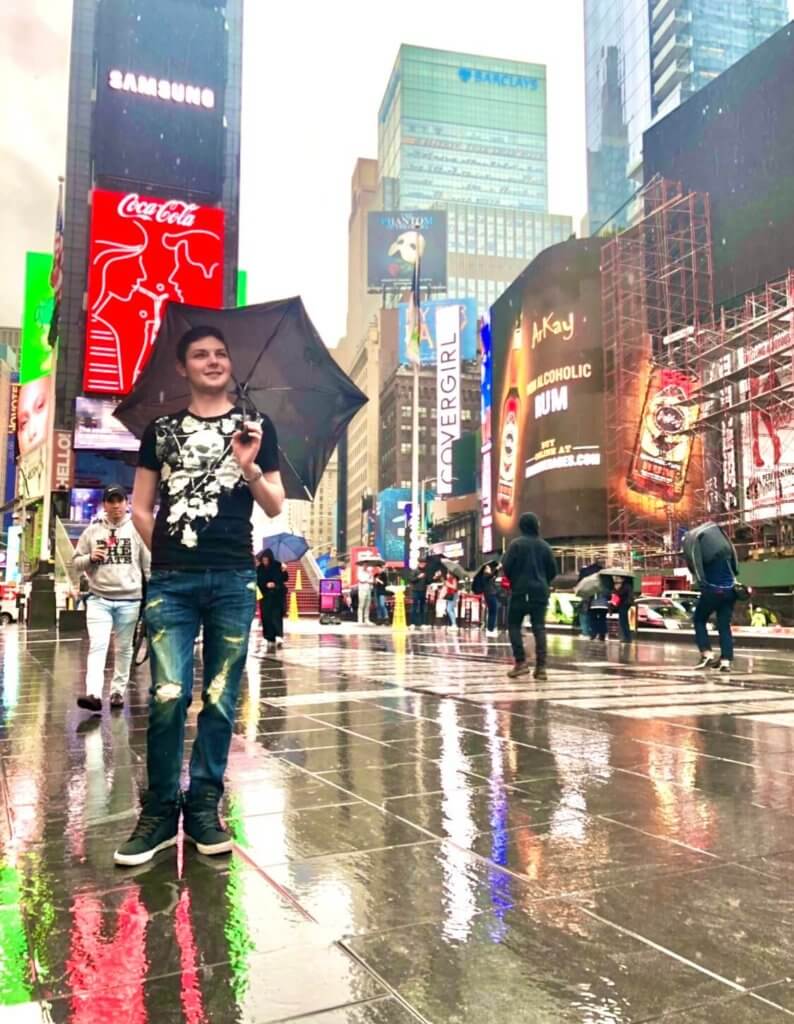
(502, 78)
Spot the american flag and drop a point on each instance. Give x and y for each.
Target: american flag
(56, 274)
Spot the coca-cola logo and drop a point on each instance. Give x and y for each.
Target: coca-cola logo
(174, 212)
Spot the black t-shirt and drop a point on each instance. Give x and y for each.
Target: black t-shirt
(204, 519)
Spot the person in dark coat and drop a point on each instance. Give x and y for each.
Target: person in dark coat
(597, 611)
(271, 578)
(530, 567)
(490, 592)
(419, 581)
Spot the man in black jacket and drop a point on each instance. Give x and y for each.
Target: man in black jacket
(530, 567)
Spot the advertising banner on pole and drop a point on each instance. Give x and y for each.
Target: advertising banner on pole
(36, 355)
(448, 410)
(393, 248)
(428, 340)
(143, 252)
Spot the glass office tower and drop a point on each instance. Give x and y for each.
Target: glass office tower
(642, 59)
(468, 134)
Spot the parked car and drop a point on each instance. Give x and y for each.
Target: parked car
(687, 598)
(9, 611)
(662, 613)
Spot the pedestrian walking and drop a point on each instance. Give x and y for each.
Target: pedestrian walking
(712, 560)
(451, 598)
(490, 593)
(530, 567)
(622, 602)
(271, 579)
(419, 583)
(599, 607)
(379, 590)
(205, 466)
(116, 563)
(365, 579)
(585, 623)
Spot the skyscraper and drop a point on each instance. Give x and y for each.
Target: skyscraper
(642, 59)
(468, 134)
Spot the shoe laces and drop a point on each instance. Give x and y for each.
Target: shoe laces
(207, 816)
(147, 823)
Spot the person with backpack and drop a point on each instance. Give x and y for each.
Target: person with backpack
(530, 567)
(712, 560)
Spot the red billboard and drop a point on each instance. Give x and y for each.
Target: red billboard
(143, 252)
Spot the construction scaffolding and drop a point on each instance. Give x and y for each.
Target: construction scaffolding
(656, 293)
(746, 415)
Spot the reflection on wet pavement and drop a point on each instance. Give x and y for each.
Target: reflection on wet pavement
(417, 839)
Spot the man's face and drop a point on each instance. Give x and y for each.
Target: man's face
(207, 367)
(115, 508)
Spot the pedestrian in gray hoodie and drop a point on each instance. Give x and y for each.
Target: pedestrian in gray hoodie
(116, 563)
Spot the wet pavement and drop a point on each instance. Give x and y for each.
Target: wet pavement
(417, 838)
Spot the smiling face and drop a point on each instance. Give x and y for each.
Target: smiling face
(207, 367)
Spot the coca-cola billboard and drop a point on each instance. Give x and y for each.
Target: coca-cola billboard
(144, 251)
(160, 96)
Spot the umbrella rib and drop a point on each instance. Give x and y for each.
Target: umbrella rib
(262, 351)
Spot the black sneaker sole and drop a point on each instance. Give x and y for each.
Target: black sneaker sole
(212, 849)
(83, 702)
(131, 860)
(517, 673)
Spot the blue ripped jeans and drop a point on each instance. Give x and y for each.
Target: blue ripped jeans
(177, 605)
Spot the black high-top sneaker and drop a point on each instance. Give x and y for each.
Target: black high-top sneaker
(156, 830)
(201, 823)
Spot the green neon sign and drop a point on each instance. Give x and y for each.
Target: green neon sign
(36, 355)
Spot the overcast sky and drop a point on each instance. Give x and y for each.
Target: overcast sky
(314, 74)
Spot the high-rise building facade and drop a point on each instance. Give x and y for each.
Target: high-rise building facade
(468, 134)
(153, 138)
(642, 59)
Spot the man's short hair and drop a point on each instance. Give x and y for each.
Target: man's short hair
(196, 334)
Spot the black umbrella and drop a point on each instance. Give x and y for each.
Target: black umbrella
(282, 369)
(478, 582)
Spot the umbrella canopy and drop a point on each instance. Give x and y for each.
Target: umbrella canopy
(589, 586)
(286, 547)
(373, 560)
(478, 582)
(455, 568)
(282, 369)
(615, 571)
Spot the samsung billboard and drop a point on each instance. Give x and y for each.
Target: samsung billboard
(160, 94)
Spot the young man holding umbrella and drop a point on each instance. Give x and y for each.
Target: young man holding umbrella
(205, 471)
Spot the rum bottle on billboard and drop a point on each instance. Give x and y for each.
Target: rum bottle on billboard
(510, 432)
(660, 462)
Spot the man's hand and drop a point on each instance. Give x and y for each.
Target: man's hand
(270, 586)
(99, 555)
(246, 451)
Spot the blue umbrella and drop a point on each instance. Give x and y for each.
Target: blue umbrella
(286, 547)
